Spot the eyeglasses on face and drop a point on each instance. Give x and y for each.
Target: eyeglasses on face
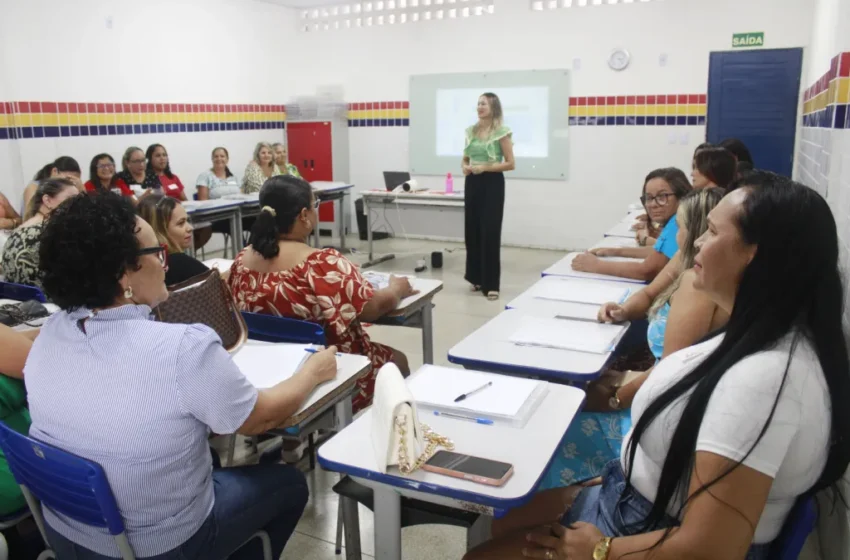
(106, 166)
(660, 199)
(137, 161)
(316, 203)
(161, 251)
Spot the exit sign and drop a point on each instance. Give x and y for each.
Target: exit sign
(741, 40)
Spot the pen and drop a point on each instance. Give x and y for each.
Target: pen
(314, 351)
(469, 394)
(461, 417)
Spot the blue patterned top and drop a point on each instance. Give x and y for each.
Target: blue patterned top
(656, 330)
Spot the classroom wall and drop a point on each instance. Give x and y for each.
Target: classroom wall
(89, 76)
(607, 163)
(824, 143)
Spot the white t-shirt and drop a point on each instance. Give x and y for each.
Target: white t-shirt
(794, 448)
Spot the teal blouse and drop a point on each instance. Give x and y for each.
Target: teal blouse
(485, 151)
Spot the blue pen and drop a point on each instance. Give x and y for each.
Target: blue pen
(461, 417)
(314, 351)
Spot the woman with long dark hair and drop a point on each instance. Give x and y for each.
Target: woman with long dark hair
(159, 164)
(731, 433)
(102, 178)
(487, 154)
(714, 166)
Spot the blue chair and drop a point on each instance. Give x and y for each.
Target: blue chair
(801, 522)
(21, 292)
(269, 328)
(72, 486)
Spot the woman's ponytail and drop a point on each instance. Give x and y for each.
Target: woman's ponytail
(264, 233)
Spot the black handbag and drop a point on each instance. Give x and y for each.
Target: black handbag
(14, 314)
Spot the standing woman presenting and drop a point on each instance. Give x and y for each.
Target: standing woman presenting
(487, 154)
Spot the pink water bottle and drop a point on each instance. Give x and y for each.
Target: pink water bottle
(450, 184)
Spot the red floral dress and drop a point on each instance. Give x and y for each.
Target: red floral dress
(326, 289)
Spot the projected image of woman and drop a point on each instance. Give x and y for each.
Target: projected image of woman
(487, 154)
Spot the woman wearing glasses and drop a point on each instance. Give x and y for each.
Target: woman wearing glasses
(280, 274)
(135, 173)
(140, 397)
(174, 231)
(662, 190)
(102, 177)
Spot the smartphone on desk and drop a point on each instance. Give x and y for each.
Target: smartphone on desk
(475, 469)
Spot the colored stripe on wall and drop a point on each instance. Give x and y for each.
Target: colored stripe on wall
(50, 119)
(826, 102)
(379, 113)
(623, 110)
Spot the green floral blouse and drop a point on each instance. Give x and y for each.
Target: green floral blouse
(485, 151)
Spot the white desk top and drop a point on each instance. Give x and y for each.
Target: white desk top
(623, 229)
(195, 206)
(528, 449)
(422, 197)
(528, 303)
(564, 267)
(330, 186)
(222, 265)
(489, 348)
(348, 366)
(616, 242)
(427, 288)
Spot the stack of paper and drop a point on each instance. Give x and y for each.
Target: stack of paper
(581, 291)
(511, 399)
(568, 334)
(381, 280)
(266, 365)
(222, 265)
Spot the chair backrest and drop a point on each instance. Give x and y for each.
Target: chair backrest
(67, 484)
(801, 522)
(270, 328)
(205, 299)
(21, 292)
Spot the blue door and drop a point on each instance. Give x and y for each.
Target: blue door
(753, 96)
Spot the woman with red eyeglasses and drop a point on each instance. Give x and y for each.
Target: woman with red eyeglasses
(169, 221)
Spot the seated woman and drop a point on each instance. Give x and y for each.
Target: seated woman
(662, 190)
(135, 173)
(714, 167)
(280, 274)
(739, 150)
(281, 159)
(173, 229)
(218, 181)
(679, 317)
(145, 395)
(259, 169)
(9, 220)
(158, 164)
(64, 166)
(102, 178)
(20, 254)
(729, 433)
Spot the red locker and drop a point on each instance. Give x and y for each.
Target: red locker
(310, 150)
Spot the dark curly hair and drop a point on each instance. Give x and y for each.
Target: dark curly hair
(86, 247)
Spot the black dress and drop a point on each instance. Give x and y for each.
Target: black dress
(181, 267)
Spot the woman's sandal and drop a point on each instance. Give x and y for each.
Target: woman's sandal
(474, 288)
(492, 296)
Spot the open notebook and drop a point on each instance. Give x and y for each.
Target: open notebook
(511, 400)
(568, 334)
(266, 365)
(581, 291)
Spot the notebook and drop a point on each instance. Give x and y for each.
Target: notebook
(266, 365)
(509, 399)
(568, 334)
(581, 291)
(381, 280)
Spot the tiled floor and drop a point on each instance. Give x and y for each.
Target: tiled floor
(457, 313)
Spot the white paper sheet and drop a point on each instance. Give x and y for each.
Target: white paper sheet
(222, 265)
(381, 280)
(266, 365)
(581, 291)
(438, 387)
(565, 334)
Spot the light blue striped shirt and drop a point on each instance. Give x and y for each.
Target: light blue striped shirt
(139, 397)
